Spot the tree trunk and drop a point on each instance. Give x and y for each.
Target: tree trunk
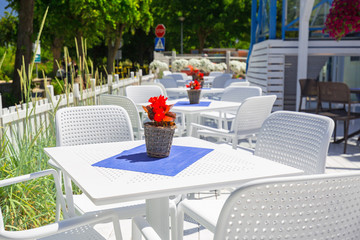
(112, 48)
(202, 38)
(23, 44)
(56, 51)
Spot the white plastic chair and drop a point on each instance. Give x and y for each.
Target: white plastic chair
(165, 73)
(81, 227)
(141, 94)
(90, 125)
(244, 83)
(168, 82)
(248, 120)
(156, 84)
(231, 94)
(297, 139)
(219, 81)
(99, 124)
(236, 81)
(321, 206)
(129, 106)
(215, 73)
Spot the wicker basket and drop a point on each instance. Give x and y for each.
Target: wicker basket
(194, 96)
(158, 140)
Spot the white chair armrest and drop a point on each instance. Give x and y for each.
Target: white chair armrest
(216, 130)
(28, 177)
(61, 226)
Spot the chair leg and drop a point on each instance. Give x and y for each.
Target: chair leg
(301, 98)
(346, 131)
(250, 141)
(58, 207)
(335, 130)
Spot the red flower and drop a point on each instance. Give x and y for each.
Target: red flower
(159, 111)
(159, 115)
(194, 85)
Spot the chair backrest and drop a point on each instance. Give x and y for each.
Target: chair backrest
(240, 93)
(219, 81)
(297, 139)
(323, 206)
(168, 82)
(236, 83)
(252, 113)
(335, 92)
(215, 73)
(229, 82)
(141, 94)
(92, 124)
(127, 104)
(183, 75)
(156, 84)
(177, 76)
(308, 87)
(166, 73)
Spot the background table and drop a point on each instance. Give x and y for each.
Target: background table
(221, 168)
(190, 113)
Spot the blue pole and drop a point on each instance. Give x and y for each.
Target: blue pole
(272, 23)
(254, 22)
(284, 6)
(253, 29)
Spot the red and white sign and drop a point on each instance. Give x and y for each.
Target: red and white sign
(160, 30)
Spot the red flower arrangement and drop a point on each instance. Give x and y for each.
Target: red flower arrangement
(194, 85)
(200, 76)
(343, 18)
(159, 112)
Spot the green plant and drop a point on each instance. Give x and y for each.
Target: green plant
(31, 204)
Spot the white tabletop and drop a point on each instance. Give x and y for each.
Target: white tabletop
(214, 106)
(221, 168)
(203, 90)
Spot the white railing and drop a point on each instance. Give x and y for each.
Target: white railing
(31, 117)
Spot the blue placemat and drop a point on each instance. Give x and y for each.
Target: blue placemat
(187, 103)
(137, 160)
(206, 88)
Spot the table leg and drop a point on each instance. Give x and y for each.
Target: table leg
(157, 214)
(190, 118)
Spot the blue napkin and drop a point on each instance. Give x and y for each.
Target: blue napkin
(187, 104)
(136, 159)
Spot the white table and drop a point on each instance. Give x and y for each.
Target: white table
(221, 168)
(190, 112)
(204, 91)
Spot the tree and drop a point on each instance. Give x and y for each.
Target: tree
(124, 15)
(207, 23)
(138, 47)
(68, 20)
(25, 10)
(8, 29)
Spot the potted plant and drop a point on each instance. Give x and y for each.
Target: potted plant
(200, 78)
(194, 92)
(160, 131)
(343, 18)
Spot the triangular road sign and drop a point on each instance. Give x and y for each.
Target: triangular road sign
(160, 44)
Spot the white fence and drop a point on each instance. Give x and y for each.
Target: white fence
(31, 117)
